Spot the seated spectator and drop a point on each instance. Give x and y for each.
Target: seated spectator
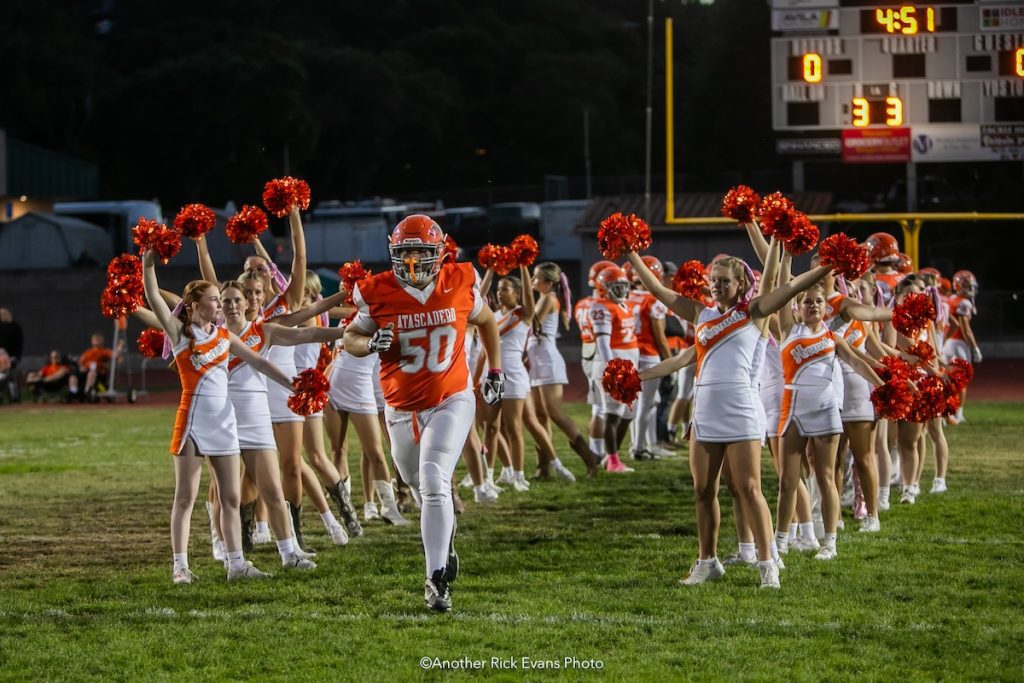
(94, 367)
(51, 378)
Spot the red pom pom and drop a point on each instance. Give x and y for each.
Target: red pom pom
(924, 351)
(151, 342)
(893, 399)
(121, 300)
(805, 235)
(740, 203)
(505, 261)
(776, 216)
(124, 266)
(961, 372)
(912, 315)
(148, 234)
(246, 225)
(952, 404)
(487, 255)
(124, 293)
(351, 273)
(930, 400)
(310, 392)
(525, 250)
(195, 220)
(281, 194)
(621, 380)
(844, 256)
(619, 234)
(691, 280)
(451, 250)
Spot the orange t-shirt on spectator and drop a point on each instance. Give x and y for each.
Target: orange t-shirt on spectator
(50, 369)
(99, 356)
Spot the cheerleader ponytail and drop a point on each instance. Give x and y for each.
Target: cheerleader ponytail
(565, 296)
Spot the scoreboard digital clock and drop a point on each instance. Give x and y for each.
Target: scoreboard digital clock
(939, 80)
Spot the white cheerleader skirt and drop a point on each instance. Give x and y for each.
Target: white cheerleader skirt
(546, 364)
(725, 413)
(277, 398)
(252, 414)
(955, 348)
(857, 406)
(378, 390)
(517, 382)
(813, 408)
(771, 403)
(208, 422)
(352, 392)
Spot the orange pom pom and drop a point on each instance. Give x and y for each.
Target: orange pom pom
(195, 220)
(690, 280)
(621, 380)
(525, 250)
(740, 203)
(912, 315)
(310, 392)
(351, 273)
(844, 256)
(281, 194)
(151, 342)
(149, 234)
(246, 225)
(619, 234)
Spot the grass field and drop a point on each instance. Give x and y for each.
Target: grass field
(586, 571)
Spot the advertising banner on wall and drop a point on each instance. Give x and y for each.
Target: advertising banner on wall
(967, 142)
(876, 145)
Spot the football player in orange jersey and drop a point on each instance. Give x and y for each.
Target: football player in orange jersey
(613, 319)
(415, 316)
(581, 313)
(650, 336)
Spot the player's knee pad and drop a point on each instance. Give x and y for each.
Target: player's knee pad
(435, 485)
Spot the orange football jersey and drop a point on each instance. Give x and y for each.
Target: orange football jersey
(427, 360)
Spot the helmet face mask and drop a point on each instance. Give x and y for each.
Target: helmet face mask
(618, 291)
(612, 283)
(416, 247)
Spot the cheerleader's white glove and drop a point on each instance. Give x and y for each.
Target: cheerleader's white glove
(976, 354)
(493, 387)
(381, 339)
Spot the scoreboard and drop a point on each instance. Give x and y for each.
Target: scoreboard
(887, 82)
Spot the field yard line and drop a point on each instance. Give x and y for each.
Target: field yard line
(168, 613)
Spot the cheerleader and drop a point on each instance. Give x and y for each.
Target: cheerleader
(725, 423)
(514, 319)
(810, 410)
(205, 424)
(849, 317)
(910, 432)
(248, 394)
(960, 342)
(353, 398)
(337, 483)
(547, 367)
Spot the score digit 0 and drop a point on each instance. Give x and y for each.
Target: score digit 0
(812, 67)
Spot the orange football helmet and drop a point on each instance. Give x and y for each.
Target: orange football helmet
(945, 287)
(416, 245)
(653, 264)
(965, 284)
(613, 284)
(882, 247)
(595, 269)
